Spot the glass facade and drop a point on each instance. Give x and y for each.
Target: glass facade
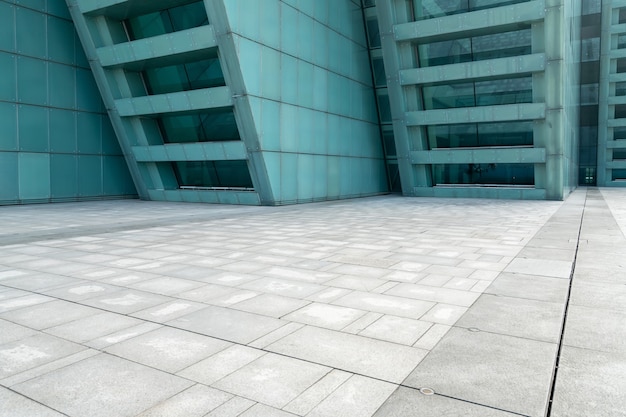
(282, 101)
(57, 143)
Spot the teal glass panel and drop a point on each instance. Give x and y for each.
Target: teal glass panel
(189, 76)
(394, 176)
(8, 121)
(389, 141)
(31, 33)
(209, 126)
(619, 154)
(384, 106)
(378, 67)
(167, 21)
(213, 174)
(39, 5)
(373, 32)
(7, 27)
(8, 90)
(31, 85)
(480, 93)
(618, 174)
(62, 131)
(89, 175)
(620, 89)
(33, 128)
(63, 176)
(478, 48)
(59, 9)
(88, 132)
(59, 32)
(482, 134)
(116, 179)
(110, 144)
(428, 9)
(62, 85)
(34, 175)
(9, 187)
(484, 174)
(619, 133)
(87, 94)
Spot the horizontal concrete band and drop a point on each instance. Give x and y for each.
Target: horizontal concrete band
(616, 100)
(209, 151)
(495, 19)
(158, 50)
(613, 144)
(184, 101)
(480, 156)
(616, 78)
(474, 70)
(617, 53)
(207, 196)
(616, 123)
(615, 165)
(123, 9)
(509, 112)
(617, 29)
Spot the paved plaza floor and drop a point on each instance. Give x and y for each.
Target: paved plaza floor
(383, 306)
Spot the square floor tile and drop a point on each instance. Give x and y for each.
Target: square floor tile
(103, 386)
(272, 379)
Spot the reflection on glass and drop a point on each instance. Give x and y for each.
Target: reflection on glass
(167, 21)
(428, 9)
(619, 174)
(213, 174)
(189, 76)
(484, 174)
(481, 134)
(480, 93)
(619, 154)
(210, 126)
(477, 48)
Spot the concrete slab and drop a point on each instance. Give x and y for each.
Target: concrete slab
(221, 364)
(231, 325)
(596, 329)
(168, 349)
(407, 402)
(499, 371)
(533, 287)
(92, 327)
(530, 319)
(103, 386)
(434, 294)
(590, 383)
(542, 267)
(357, 397)
(385, 304)
(325, 315)
(196, 401)
(374, 358)
(273, 380)
(17, 405)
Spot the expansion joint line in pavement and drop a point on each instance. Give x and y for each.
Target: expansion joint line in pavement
(555, 371)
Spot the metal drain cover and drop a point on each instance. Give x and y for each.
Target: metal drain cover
(427, 391)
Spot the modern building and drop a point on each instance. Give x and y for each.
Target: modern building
(287, 101)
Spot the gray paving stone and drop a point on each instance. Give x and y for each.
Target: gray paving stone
(21, 302)
(284, 287)
(261, 410)
(594, 328)
(38, 281)
(396, 329)
(24, 354)
(221, 364)
(232, 408)
(16, 405)
(54, 313)
(495, 370)
(103, 386)
(168, 349)
(92, 327)
(169, 311)
(385, 304)
(227, 324)
(542, 267)
(603, 295)
(81, 290)
(590, 383)
(410, 402)
(531, 319)
(433, 294)
(533, 287)
(10, 331)
(375, 358)
(270, 305)
(196, 401)
(127, 301)
(310, 398)
(357, 397)
(325, 315)
(272, 379)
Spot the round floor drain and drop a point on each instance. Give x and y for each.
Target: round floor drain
(473, 329)
(427, 391)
